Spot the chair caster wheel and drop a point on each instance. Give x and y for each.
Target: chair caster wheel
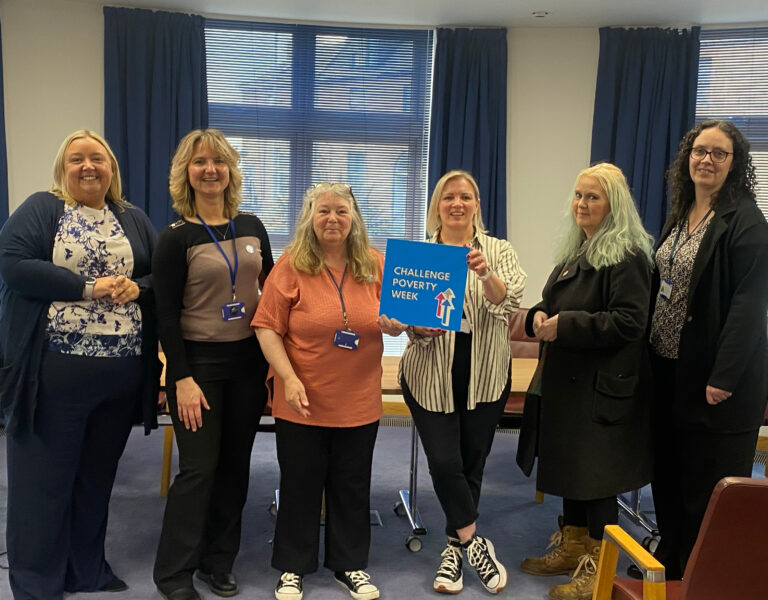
(413, 543)
(399, 509)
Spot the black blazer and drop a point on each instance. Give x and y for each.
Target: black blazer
(723, 340)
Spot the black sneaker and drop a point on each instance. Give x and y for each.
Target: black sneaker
(449, 578)
(480, 554)
(358, 583)
(289, 587)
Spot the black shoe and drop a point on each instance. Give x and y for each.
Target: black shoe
(221, 584)
(634, 571)
(114, 585)
(185, 593)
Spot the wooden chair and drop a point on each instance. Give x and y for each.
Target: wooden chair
(728, 560)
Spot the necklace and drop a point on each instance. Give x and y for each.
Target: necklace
(221, 235)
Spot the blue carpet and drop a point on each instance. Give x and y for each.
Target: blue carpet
(509, 517)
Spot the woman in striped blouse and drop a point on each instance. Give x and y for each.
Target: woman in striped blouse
(456, 383)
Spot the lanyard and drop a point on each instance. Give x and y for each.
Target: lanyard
(338, 287)
(232, 271)
(673, 251)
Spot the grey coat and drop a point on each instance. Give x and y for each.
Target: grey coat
(592, 433)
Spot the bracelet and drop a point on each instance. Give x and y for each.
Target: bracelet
(485, 277)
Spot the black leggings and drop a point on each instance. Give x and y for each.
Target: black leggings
(592, 514)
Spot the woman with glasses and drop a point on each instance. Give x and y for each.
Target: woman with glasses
(456, 384)
(591, 429)
(318, 325)
(210, 265)
(708, 332)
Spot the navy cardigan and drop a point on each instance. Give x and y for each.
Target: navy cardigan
(29, 282)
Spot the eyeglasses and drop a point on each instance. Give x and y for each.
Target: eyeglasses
(345, 185)
(716, 155)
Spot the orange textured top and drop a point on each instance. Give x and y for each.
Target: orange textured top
(343, 386)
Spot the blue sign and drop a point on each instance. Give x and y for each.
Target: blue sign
(423, 284)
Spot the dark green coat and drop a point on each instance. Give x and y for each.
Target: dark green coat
(593, 431)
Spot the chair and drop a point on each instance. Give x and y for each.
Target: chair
(728, 560)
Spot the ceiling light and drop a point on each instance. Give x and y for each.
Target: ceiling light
(540, 14)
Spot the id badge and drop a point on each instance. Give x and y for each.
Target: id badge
(665, 289)
(346, 338)
(465, 328)
(232, 311)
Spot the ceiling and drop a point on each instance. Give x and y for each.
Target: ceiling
(511, 13)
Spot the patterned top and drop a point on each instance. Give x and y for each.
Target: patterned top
(670, 314)
(91, 242)
(427, 361)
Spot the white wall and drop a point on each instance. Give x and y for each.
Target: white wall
(551, 91)
(53, 72)
(54, 84)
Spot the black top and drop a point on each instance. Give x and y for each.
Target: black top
(193, 283)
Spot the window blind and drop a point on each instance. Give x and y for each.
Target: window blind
(733, 85)
(304, 104)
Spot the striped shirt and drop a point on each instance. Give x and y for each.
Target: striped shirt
(427, 361)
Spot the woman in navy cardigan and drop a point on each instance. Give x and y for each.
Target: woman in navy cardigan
(78, 366)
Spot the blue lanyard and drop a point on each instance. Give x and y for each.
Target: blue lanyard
(673, 251)
(232, 272)
(338, 289)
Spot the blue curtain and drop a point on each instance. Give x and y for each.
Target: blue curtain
(3, 154)
(645, 101)
(154, 93)
(469, 115)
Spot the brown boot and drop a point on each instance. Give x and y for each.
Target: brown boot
(567, 548)
(583, 579)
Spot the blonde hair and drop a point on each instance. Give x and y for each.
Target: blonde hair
(60, 187)
(620, 234)
(304, 248)
(182, 194)
(433, 213)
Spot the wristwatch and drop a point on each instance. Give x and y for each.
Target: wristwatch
(485, 277)
(88, 288)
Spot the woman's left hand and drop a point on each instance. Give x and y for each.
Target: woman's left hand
(476, 262)
(124, 290)
(547, 332)
(391, 327)
(716, 395)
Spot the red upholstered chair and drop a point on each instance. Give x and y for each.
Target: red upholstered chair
(728, 561)
(521, 345)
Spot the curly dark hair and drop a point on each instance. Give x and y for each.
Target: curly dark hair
(740, 181)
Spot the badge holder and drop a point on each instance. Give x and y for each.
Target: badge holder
(346, 338)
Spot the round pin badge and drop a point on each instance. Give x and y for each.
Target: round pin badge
(250, 249)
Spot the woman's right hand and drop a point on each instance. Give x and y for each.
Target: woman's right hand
(296, 396)
(538, 321)
(428, 331)
(189, 400)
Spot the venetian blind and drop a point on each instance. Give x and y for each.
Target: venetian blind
(733, 85)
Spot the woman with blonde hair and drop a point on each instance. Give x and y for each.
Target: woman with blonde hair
(457, 383)
(210, 266)
(79, 366)
(318, 325)
(591, 430)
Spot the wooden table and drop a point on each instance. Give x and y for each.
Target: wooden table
(522, 372)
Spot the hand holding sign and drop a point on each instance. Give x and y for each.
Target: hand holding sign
(423, 284)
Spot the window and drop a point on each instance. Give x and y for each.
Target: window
(304, 104)
(733, 85)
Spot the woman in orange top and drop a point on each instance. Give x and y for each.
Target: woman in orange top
(317, 323)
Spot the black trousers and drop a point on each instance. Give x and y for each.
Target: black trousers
(688, 465)
(457, 444)
(337, 460)
(203, 513)
(60, 477)
(592, 514)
